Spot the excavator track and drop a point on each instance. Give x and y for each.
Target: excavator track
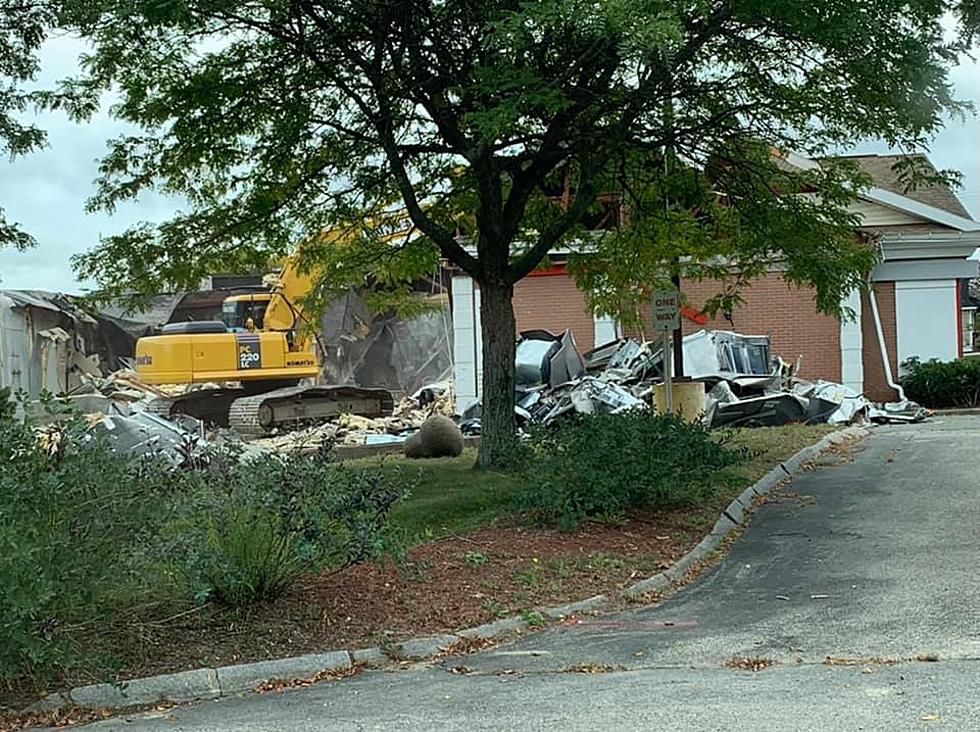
(209, 405)
(257, 415)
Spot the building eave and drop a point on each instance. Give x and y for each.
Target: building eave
(924, 211)
(931, 245)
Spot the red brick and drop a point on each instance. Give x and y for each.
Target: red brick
(875, 383)
(785, 313)
(554, 303)
(771, 307)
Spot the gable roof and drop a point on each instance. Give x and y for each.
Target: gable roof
(881, 170)
(925, 211)
(903, 202)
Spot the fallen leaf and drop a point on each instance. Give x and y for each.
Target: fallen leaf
(750, 664)
(592, 668)
(930, 717)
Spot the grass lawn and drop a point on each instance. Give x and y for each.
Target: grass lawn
(452, 497)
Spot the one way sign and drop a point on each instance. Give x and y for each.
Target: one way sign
(666, 309)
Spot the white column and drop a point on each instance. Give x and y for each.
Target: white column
(467, 342)
(851, 346)
(925, 313)
(606, 330)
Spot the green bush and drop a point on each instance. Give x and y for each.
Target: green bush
(600, 467)
(943, 384)
(89, 537)
(247, 528)
(72, 527)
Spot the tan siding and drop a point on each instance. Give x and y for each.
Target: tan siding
(873, 214)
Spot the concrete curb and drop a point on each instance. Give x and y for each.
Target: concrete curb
(734, 516)
(210, 683)
(957, 412)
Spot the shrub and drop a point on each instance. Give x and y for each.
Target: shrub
(249, 527)
(88, 536)
(72, 522)
(599, 467)
(940, 384)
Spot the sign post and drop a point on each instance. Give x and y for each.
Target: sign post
(667, 317)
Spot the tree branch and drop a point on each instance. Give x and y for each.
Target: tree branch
(585, 197)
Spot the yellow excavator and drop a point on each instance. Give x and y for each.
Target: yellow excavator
(266, 344)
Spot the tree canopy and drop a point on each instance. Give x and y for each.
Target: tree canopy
(273, 119)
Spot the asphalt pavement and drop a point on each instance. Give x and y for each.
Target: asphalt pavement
(859, 587)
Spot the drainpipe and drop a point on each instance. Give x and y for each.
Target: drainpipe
(881, 344)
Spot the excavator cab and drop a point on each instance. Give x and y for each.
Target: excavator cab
(245, 312)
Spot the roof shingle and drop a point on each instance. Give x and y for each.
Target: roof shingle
(881, 170)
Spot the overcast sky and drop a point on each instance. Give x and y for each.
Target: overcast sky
(46, 191)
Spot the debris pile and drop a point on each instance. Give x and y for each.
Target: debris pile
(745, 384)
(408, 417)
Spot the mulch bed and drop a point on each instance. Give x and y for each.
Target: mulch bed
(444, 586)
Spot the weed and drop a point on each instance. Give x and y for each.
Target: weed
(476, 559)
(495, 608)
(533, 618)
(529, 579)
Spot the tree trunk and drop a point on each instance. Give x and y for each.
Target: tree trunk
(499, 350)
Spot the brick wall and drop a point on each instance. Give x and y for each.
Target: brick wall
(552, 302)
(875, 384)
(785, 313)
(772, 307)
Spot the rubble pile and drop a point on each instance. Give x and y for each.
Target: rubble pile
(745, 385)
(409, 414)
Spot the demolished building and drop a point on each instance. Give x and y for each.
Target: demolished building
(49, 343)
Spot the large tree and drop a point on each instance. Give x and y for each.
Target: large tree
(496, 126)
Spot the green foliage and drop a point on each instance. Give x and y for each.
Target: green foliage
(72, 527)
(476, 559)
(6, 403)
(680, 225)
(276, 121)
(533, 618)
(940, 384)
(600, 467)
(87, 536)
(22, 29)
(246, 529)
